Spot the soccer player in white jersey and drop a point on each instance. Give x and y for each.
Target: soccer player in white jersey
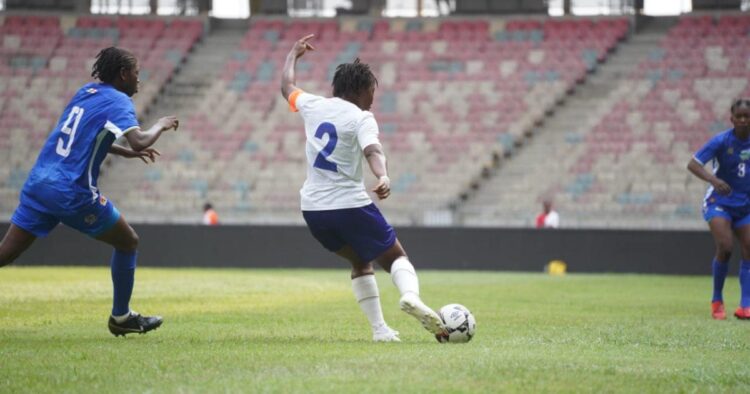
(339, 213)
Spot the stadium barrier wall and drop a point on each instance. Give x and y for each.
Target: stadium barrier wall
(591, 251)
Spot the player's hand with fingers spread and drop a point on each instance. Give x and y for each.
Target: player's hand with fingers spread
(383, 188)
(302, 45)
(169, 122)
(148, 154)
(721, 187)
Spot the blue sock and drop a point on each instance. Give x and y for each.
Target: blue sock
(745, 284)
(123, 276)
(720, 273)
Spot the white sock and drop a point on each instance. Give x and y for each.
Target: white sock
(404, 276)
(366, 292)
(122, 318)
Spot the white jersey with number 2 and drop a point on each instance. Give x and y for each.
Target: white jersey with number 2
(337, 132)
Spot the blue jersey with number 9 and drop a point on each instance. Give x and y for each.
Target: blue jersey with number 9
(69, 161)
(731, 159)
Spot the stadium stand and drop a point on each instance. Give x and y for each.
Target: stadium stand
(622, 163)
(452, 93)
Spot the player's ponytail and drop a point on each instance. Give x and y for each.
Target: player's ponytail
(110, 61)
(351, 79)
(740, 103)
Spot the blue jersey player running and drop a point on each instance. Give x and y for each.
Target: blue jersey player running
(61, 186)
(340, 131)
(726, 207)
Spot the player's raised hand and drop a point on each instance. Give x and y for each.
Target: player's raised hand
(383, 188)
(721, 187)
(302, 45)
(168, 122)
(148, 154)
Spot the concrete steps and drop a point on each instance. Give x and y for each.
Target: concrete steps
(198, 74)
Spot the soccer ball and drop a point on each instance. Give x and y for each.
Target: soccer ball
(459, 322)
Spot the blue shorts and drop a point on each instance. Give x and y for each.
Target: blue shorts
(92, 219)
(364, 229)
(738, 216)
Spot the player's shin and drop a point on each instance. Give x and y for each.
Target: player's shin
(404, 277)
(719, 271)
(368, 297)
(745, 283)
(123, 277)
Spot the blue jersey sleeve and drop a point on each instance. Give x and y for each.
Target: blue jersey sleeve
(710, 150)
(121, 118)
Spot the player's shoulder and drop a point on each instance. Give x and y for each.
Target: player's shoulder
(104, 93)
(721, 138)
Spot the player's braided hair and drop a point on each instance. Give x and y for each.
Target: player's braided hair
(110, 61)
(351, 79)
(738, 103)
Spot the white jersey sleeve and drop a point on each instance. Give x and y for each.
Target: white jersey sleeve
(367, 132)
(303, 102)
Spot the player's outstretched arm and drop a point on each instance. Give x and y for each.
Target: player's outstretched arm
(376, 160)
(288, 78)
(145, 155)
(140, 140)
(718, 184)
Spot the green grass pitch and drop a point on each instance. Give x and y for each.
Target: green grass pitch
(301, 331)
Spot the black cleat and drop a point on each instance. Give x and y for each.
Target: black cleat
(136, 323)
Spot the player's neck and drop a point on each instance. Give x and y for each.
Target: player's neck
(351, 100)
(742, 134)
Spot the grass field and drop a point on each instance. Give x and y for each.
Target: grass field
(302, 331)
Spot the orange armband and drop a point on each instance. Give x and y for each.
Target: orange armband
(293, 99)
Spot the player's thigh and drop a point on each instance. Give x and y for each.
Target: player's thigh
(742, 232)
(390, 255)
(102, 221)
(359, 267)
(33, 221)
(15, 242)
(367, 232)
(322, 226)
(721, 230)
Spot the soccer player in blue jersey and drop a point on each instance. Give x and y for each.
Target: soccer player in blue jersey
(61, 186)
(726, 207)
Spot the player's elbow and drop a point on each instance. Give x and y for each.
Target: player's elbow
(137, 140)
(373, 150)
(286, 89)
(691, 165)
(137, 145)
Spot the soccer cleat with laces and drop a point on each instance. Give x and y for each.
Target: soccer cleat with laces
(742, 313)
(411, 304)
(717, 310)
(135, 323)
(385, 334)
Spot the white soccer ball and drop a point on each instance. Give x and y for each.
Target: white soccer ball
(459, 322)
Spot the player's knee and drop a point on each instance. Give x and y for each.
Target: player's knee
(362, 270)
(130, 244)
(723, 251)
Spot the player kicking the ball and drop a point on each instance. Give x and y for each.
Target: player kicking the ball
(335, 204)
(61, 186)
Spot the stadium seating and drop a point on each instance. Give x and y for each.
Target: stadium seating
(625, 165)
(451, 93)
